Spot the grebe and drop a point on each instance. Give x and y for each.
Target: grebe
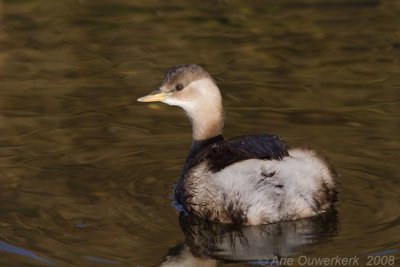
(249, 180)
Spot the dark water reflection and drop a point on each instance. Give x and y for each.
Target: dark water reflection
(86, 172)
(208, 243)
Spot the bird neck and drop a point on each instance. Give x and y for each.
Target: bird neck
(207, 125)
(206, 112)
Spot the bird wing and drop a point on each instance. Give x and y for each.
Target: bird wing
(226, 152)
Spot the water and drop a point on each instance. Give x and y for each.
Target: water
(86, 172)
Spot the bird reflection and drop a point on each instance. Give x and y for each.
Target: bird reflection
(207, 243)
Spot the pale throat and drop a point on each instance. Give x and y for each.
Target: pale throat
(207, 123)
(204, 109)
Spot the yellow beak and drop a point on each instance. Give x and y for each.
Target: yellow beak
(155, 96)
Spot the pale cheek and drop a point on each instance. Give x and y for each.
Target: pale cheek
(186, 105)
(171, 102)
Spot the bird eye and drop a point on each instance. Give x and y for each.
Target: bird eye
(178, 87)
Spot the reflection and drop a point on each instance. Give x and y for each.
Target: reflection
(183, 256)
(206, 243)
(5, 247)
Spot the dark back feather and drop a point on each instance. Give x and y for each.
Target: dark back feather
(221, 153)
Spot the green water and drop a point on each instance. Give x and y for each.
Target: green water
(86, 172)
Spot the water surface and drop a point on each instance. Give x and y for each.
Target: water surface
(86, 172)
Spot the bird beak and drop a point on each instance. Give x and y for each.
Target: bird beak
(155, 96)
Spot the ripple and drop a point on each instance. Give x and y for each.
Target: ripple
(86, 172)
